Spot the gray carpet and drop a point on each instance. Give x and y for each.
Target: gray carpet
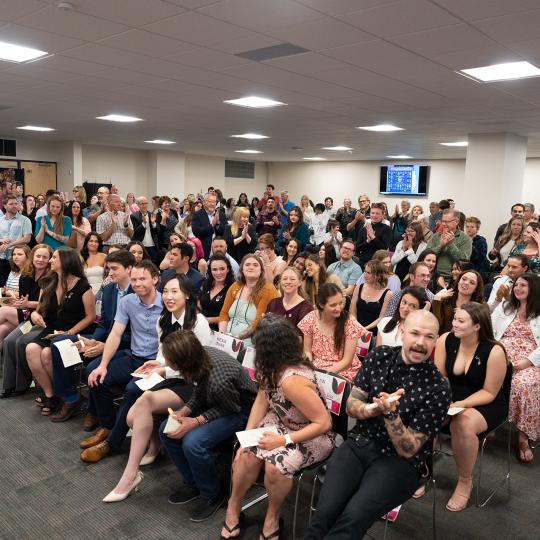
(48, 493)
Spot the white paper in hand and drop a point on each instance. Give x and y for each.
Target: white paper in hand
(149, 382)
(68, 352)
(455, 410)
(251, 437)
(172, 425)
(391, 399)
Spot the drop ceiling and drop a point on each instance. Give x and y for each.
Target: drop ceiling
(173, 62)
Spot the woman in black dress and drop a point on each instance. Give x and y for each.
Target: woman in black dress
(240, 236)
(219, 278)
(475, 365)
(67, 306)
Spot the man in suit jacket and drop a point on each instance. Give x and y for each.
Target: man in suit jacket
(119, 264)
(145, 230)
(208, 222)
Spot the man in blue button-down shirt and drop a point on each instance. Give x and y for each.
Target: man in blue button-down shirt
(141, 311)
(346, 269)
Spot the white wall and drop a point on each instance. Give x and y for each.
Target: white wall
(531, 183)
(341, 179)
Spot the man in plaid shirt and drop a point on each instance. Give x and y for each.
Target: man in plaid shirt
(114, 226)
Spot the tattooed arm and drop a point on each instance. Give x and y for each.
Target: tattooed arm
(406, 441)
(356, 404)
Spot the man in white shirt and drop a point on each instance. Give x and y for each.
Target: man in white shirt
(114, 226)
(145, 229)
(515, 266)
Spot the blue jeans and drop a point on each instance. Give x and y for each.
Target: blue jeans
(191, 454)
(119, 370)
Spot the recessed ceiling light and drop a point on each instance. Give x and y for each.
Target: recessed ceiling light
(502, 72)
(456, 143)
(119, 118)
(254, 101)
(380, 127)
(253, 136)
(338, 148)
(160, 141)
(400, 156)
(249, 151)
(314, 158)
(36, 128)
(16, 53)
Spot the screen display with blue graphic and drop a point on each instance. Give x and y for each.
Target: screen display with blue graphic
(404, 180)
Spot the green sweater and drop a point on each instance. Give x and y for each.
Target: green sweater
(460, 249)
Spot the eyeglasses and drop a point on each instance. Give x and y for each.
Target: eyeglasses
(445, 222)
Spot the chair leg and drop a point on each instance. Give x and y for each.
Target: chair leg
(434, 527)
(295, 515)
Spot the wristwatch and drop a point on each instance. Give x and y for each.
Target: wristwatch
(288, 441)
(392, 415)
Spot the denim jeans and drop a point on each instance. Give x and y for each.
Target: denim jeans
(360, 486)
(192, 456)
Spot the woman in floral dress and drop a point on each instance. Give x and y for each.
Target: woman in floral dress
(288, 400)
(516, 323)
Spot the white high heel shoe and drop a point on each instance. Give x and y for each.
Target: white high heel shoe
(113, 496)
(147, 460)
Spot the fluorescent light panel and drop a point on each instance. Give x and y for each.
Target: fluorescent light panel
(314, 158)
(338, 148)
(17, 53)
(36, 128)
(381, 127)
(119, 118)
(455, 143)
(502, 72)
(400, 156)
(160, 141)
(248, 151)
(254, 102)
(253, 136)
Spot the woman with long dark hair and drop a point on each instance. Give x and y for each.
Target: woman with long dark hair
(331, 334)
(53, 229)
(291, 251)
(80, 225)
(67, 305)
(219, 278)
(436, 282)
(511, 238)
(289, 400)
(475, 365)
(516, 323)
(179, 313)
(408, 249)
(93, 260)
(138, 250)
(316, 276)
(30, 209)
(295, 228)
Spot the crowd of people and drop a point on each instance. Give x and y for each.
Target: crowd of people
(140, 286)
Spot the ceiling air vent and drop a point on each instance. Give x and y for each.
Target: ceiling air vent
(8, 147)
(239, 169)
(275, 51)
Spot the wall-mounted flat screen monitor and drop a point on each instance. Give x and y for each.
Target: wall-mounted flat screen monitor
(404, 180)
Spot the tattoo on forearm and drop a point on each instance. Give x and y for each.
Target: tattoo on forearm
(356, 393)
(398, 429)
(404, 439)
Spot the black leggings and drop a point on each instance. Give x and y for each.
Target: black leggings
(361, 485)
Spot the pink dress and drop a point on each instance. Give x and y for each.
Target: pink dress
(287, 418)
(519, 343)
(322, 346)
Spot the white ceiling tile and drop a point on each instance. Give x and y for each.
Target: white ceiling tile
(71, 24)
(59, 62)
(36, 70)
(306, 63)
(192, 4)
(239, 45)
(13, 9)
(511, 28)
(474, 56)
(198, 28)
(206, 58)
(472, 10)
(340, 7)
(323, 33)
(261, 15)
(31, 37)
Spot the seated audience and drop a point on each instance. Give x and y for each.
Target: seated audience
(469, 288)
(289, 400)
(90, 346)
(479, 245)
(333, 237)
(93, 261)
(394, 283)
(316, 276)
(179, 257)
(370, 300)
(67, 305)
(436, 281)
(138, 250)
(300, 262)
(17, 377)
(214, 289)
(457, 269)
(219, 247)
(166, 220)
(80, 226)
(291, 251)
(53, 229)
(18, 260)
(389, 328)
(240, 235)
(502, 286)
(331, 334)
(273, 264)
(516, 323)
(307, 209)
(531, 246)
(222, 399)
(408, 250)
(374, 235)
(516, 211)
(179, 313)
(450, 245)
(295, 228)
(291, 304)
(381, 463)
(345, 215)
(327, 254)
(131, 203)
(475, 366)
(29, 210)
(510, 237)
(177, 238)
(400, 220)
(346, 269)
(114, 367)
(246, 300)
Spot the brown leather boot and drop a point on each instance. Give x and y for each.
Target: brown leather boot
(99, 436)
(90, 422)
(95, 453)
(66, 412)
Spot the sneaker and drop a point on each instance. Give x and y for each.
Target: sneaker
(204, 509)
(184, 495)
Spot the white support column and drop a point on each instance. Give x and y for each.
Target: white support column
(166, 173)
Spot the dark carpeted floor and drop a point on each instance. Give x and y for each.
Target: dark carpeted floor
(48, 493)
